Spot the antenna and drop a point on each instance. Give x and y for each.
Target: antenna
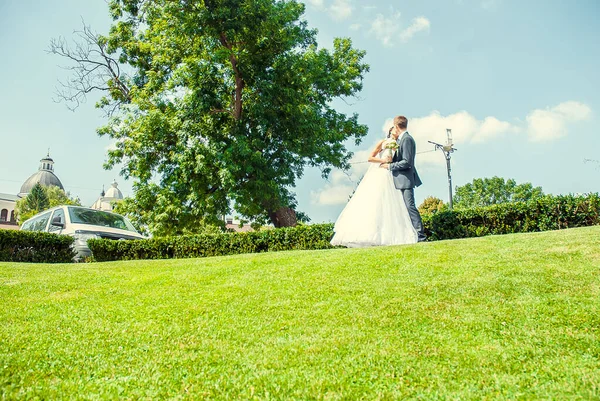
(447, 149)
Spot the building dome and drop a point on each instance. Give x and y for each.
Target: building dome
(44, 176)
(114, 192)
(107, 199)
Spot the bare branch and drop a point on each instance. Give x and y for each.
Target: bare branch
(92, 68)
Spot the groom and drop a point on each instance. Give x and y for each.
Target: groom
(404, 172)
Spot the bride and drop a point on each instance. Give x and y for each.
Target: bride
(376, 214)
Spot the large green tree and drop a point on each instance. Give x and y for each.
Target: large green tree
(218, 104)
(490, 191)
(41, 198)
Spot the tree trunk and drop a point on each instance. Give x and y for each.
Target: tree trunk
(283, 217)
(239, 86)
(239, 81)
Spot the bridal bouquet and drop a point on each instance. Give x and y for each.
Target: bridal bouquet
(388, 149)
(391, 145)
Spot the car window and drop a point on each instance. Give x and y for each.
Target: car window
(41, 224)
(61, 215)
(37, 224)
(27, 225)
(99, 218)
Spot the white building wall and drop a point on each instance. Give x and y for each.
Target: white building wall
(9, 206)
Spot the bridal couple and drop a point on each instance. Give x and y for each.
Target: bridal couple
(382, 209)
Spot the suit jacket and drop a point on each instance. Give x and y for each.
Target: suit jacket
(403, 164)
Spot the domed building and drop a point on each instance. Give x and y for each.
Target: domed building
(44, 176)
(107, 199)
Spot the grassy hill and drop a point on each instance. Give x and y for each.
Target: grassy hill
(505, 317)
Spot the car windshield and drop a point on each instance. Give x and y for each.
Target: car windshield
(99, 218)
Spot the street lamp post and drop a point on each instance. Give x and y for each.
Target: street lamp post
(447, 149)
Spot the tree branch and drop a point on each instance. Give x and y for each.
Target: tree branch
(94, 69)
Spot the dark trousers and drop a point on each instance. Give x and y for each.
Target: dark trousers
(413, 212)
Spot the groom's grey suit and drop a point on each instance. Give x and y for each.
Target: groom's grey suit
(406, 178)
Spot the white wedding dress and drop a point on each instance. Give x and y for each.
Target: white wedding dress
(376, 214)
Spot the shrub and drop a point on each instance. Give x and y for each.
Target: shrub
(316, 236)
(541, 214)
(38, 247)
(431, 205)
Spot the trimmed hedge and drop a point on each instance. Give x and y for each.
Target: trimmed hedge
(316, 236)
(547, 213)
(543, 214)
(36, 247)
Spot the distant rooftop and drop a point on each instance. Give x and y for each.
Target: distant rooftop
(9, 197)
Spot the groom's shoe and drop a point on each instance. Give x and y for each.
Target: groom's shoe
(422, 239)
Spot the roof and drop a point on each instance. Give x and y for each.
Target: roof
(113, 192)
(9, 197)
(236, 227)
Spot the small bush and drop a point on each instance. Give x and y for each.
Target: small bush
(37, 247)
(316, 236)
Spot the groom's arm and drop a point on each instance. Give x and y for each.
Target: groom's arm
(408, 156)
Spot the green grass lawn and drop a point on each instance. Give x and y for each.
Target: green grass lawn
(505, 317)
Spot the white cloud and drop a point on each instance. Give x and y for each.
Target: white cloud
(544, 125)
(355, 27)
(387, 29)
(573, 111)
(551, 123)
(340, 10)
(492, 127)
(464, 126)
(316, 3)
(419, 24)
(332, 195)
(465, 129)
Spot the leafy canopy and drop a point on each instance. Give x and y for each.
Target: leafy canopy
(224, 105)
(432, 205)
(495, 190)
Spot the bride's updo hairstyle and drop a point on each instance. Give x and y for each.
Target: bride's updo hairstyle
(389, 135)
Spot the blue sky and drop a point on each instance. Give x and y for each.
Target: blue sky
(516, 82)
